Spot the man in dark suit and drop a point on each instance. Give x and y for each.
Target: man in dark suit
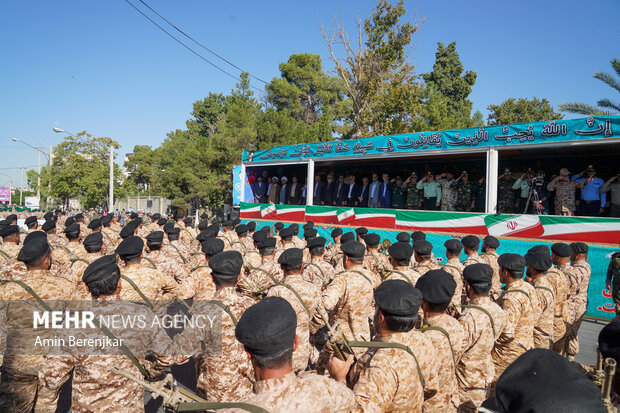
(294, 197)
(319, 191)
(352, 192)
(385, 192)
(284, 191)
(362, 197)
(330, 192)
(260, 190)
(341, 191)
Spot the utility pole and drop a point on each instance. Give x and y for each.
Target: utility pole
(111, 196)
(49, 177)
(39, 178)
(21, 188)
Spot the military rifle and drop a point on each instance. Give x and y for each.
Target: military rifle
(336, 340)
(610, 371)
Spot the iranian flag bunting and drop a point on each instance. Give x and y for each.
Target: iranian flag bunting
(345, 215)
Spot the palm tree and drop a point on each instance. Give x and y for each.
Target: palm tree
(603, 104)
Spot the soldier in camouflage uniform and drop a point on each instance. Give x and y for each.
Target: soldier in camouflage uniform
(559, 277)
(490, 256)
(199, 285)
(399, 193)
(506, 196)
(578, 296)
(259, 280)
(424, 257)
(10, 243)
(470, 245)
(449, 194)
(400, 255)
(455, 269)
(334, 247)
(537, 265)
(564, 193)
(612, 281)
(376, 262)
(414, 199)
(317, 271)
(464, 193)
(170, 264)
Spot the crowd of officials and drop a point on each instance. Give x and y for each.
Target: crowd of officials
(529, 192)
(347, 324)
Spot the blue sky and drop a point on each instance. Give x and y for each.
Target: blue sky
(102, 67)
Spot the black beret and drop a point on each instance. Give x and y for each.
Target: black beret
(93, 240)
(266, 243)
(291, 257)
(133, 215)
(336, 232)
(372, 239)
(69, 221)
(454, 246)
(361, 231)
(30, 220)
(418, 236)
(423, 247)
(79, 216)
(478, 273)
(579, 247)
(100, 269)
(188, 221)
(543, 381)
(398, 297)
(130, 247)
(609, 342)
(156, 216)
(9, 230)
(540, 249)
(491, 241)
(180, 215)
(94, 224)
(347, 237)
(403, 237)
(11, 218)
(317, 242)
(155, 237)
(106, 219)
(236, 221)
(241, 229)
(353, 249)
(33, 249)
(471, 241)
(226, 264)
(310, 233)
(251, 226)
(539, 261)
(287, 233)
(511, 262)
(173, 231)
(72, 228)
(127, 231)
(562, 250)
(203, 236)
(400, 251)
(258, 236)
(162, 221)
(227, 223)
(437, 286)
(268, 327)
(135, 222)
(34, 235)
(3, 223)
(48, 226)
(212, 246)
(48, 215)
(308, 225)
(204, 215)
(202, 225)
(278, 226)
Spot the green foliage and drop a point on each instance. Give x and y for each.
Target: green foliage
(521, 110)
(606, 107)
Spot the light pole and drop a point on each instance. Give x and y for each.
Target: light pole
(10, 186)
(21, 187)
(40, 149)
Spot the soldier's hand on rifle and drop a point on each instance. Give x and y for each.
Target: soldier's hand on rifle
(339, 369)
(608, 286)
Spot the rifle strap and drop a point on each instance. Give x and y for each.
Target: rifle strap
(426, 328)
(200, 266)
(226, 309)
(403, 274)
(137, 289)
(382, 344)
(318, 268)
(516, 290)
(476, 307)
(29, 290)
(189, 233)
(5, 255)
(460, 270)
(540, 287)
(179, 252)
(80, 259)
(265, 272)
(358, 272)
(242, 246)
(192, 407)
(301, 301)
(150, 261)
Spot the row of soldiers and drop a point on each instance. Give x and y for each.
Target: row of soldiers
(306, 313)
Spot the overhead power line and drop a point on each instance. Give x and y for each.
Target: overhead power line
(200, 44)
(187, 47)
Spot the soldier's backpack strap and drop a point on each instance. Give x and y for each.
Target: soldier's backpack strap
(68, 251)
(453, 266)
(137, 289)
(403, 274)
(179, 252)
(226, 309)
(196, 268)
(209, 406)
(29, 290)
(477, 307)
(189, 233)
(427, 327)
(81, 260)
(540, 287)
(382, 344)
(5, 255)
(240, 243)
(150, 261)
(358, 272)
(516, 290)
(265, 272)
(318, 268)
(301, 301)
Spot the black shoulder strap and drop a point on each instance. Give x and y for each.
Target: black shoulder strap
(445, 333)
(541, 287)
(403, 274)
(179, 252)
(360, 273)
(477, 307)
(5, 255)
(140, 293)
(516, 290)
(226, 309)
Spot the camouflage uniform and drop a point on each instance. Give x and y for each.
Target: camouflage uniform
(465, 196)
(520, 313)
(543, 328)
(388, 379)
(507, 195)
(410, 275)
(229, 238)
(424, 350)
(399, 195)
(475, 370)
(318, 272)
(11, 249)
(564, 196)
(449, 194)
(414, 198)
(578, 303)
(111, 239)
(613, 279)
(154, 284)
(76, 271)
(20, 390)
(449, 350)
(198, 285)
(169, 262)
(84, 230)
(455, 269)
(559, 281)
(473, 259)
(311, 295)
(257, 282)
(304, 393)
(187, 235)
(330, 251)
(298, 242)
(228, 376)
(252, 259)
(490, 258)
(424, 267)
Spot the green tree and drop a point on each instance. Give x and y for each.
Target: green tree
(605, 106)
(143, 167)
(381, 86)
(521, 110)
(448, 88)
